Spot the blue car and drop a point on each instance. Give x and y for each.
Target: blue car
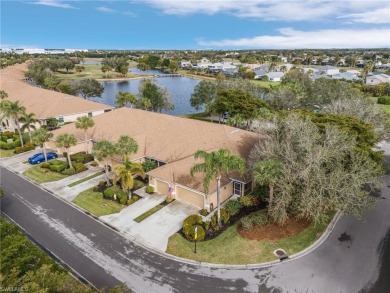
(40, 157)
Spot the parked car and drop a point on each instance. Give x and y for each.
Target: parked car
(40, 157)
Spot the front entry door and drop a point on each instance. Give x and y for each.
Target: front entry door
(237, 188)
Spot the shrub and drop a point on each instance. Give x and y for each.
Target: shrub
(246, 224)
(384, 100)
(233, 207)
(225, 216)
(169, 199)
(81, 157)
(94, 164)
(214, 222)
(199, 235)
(134, 198)
(207, 225)
(110, 191)
(149, 165)
(149, 189)
(27, 147)
(123, 200)
(6, 145)
(7, 135)
(130, 201)
(58, 167)
(45, 165)
(203, 212)
(69, 171)
(88, 158)
(138, 184)
(100, 187)
(247, 200)
(79, 167)
(189, 223)
(57, 162)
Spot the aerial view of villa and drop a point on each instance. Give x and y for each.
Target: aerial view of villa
(194, 146)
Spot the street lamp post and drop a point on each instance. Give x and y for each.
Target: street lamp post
(195, 236)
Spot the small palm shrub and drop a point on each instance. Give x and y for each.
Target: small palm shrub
(233, 207)
(149, 189)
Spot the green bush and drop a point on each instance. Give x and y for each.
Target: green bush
(58, 167)
(149, 189)
(203, 212)
(207, 225)
(109, 193)
(189, 224)
(123, 200)
(214, 222)
(169, 199)
(69, 171)
(57, 162)
(246, 224)
(384, 100)
(81, 157)
(130, 202)
(149, 165)
(134, 198)
(199, 235)
(94, 164)
(45, 165)
(138, 184)
(79, 167)
(225, 216)
(252, 220)
(7, 135)
(6, 146)
(247, 200)
(27, 147)
(233, 207)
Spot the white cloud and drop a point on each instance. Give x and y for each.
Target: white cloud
(289, 38)
(292, 10)
(106, 9)
(381, 15)
(54, 3)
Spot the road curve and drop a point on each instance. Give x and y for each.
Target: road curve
(350, 260)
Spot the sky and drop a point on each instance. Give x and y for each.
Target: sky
(195, 24)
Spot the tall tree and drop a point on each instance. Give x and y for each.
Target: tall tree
(40, 137)
(158, 96)
(85, 123)
(204, 94)
(14, 110)
(124, 98)
(125, 173)
(103, 150)
(29, 122)
(125, 146)
(106, 69)
(267, 172)
(66, 140)
(87, 88)
(213, 166)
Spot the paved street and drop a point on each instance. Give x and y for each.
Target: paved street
(352, 259)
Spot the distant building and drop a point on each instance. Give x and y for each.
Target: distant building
(375, 79)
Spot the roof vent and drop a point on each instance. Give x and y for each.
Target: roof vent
(235, 131)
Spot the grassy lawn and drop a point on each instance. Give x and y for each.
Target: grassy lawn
(150, 212)
(265, 84)
(6, 153)
(231, 248)
(85, 179)
(94, 203)
(42, 175)
(91, 71)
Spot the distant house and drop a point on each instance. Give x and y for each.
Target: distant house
(275, 76)
(328, 70)
(171, 142)
(185, 64)
(346, 76)
(44, 103)
(375, 79)
(261, 71)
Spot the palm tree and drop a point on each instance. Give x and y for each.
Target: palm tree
(124, 98)
(102, 150)
(268, 172)
(66, 140)
(125, 146)
(3, 95)
(29, 121)
(84, 123)
(40, 137)
(124, 174)
(212, 167)
(13, 110)
(367, 68)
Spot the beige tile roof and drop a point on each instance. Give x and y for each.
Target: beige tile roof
(167, 138)
(43, 103)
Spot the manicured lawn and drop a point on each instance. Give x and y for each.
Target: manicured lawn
(42, 175)
(94, 203)
(85, 179)
(6, 153)
(150, 212)
(265, 84)
(231, 248)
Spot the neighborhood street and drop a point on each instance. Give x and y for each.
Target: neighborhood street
(355, 257)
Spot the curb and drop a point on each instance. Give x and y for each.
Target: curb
(133, 239)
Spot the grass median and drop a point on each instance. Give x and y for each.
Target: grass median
(94, 203)
(6, 153)
(231, 248)
(43, 175)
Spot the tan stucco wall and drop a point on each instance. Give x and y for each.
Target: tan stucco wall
(161, 187)
(189, 196)
(226, 192)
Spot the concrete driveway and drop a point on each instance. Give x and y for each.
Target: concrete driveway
(15, 163)
(157, 228)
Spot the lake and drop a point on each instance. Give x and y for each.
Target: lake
(180, 89)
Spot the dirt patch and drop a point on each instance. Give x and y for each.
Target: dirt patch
(274, 232)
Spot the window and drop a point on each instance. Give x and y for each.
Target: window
(89, 114)
(61, 119)
(237, 187)
(248, 188)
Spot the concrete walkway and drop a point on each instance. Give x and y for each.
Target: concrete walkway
(157, 228)
(62, 189)
(15, 163)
